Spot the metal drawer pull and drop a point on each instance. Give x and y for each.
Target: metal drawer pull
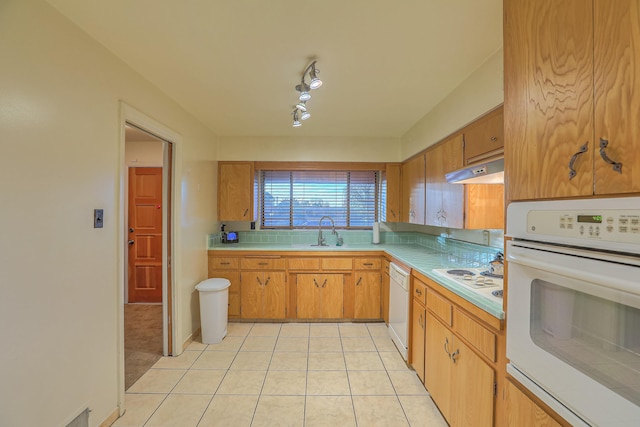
(368, 264)
(616, 166)
(263, 263)
(572, 171)
(225, 263)
(419, 291)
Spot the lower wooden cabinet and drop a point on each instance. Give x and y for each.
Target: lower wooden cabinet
(522, 411)
(367, 294)
(459, 381)
(262, 294)
(418, 322)
(319, 296)
(386, 281)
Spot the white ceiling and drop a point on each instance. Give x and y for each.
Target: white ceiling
(234, 63)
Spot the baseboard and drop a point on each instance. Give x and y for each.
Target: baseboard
(110, 419)
(190, 339)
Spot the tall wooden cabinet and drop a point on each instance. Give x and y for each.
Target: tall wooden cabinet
(392, 180)
(571, 93)
(235, 191)
(413, 190)
(444, 202)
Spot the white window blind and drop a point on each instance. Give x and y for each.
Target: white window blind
(298, 199)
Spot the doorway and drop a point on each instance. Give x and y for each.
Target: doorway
(147, 331)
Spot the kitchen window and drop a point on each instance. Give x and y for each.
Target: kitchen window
(298, 199)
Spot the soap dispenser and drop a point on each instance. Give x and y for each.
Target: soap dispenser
(223, 234)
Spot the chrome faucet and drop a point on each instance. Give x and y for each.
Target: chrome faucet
(321, 240)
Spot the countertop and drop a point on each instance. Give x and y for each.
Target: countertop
(421, 258)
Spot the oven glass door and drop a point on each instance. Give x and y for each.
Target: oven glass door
(574, 330)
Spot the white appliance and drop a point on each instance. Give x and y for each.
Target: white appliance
(399, 307)
(479, 280)
(573, 335)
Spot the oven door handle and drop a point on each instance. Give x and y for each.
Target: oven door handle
(550, 259)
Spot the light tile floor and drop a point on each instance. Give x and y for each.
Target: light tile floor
(290, 374)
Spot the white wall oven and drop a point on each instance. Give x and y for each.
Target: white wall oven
(573, 306)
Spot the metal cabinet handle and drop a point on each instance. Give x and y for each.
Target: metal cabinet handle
(267, 282)
(259, 281)
(246, 211)
(454, 355)
(446, 347)
(420, 321)
(616, 166)
(419, 291)
(392, 212)
(359, 280)
(324, 283)
(572, 171)
(494, 138)
(315, 283)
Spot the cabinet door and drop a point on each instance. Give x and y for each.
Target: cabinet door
(413, 196)
(392, 177)
(437, 379)
(521, 411)
(445, 202)
(251, 302)
(548, 98)
(234, 290)
(367, 295)
(484, 138)
(386, 281)
(235, 191)
(617, 94)
(332, 296)
(308, 296)
(274, 295)
(472, 388)
(418, 322)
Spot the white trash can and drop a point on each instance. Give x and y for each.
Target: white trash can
(214, 298)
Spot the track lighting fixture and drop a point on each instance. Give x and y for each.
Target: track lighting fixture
(300, 111)
(296, 122)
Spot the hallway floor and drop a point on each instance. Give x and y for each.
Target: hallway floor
(291, 374)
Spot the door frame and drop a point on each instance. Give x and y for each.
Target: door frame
(172, 143)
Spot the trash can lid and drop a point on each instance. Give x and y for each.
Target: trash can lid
(213, 285)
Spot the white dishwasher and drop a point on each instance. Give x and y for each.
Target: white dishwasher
(399, 307)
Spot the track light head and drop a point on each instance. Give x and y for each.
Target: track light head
(302, 106)
(296, 122)
(313, 74)
(305, 115)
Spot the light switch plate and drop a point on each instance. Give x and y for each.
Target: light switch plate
(98, 218)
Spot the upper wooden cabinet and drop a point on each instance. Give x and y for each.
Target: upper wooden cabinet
(570, 89)
(413, 190)
(444, 202)
(484, 138)
(235, 191)
(391, 178)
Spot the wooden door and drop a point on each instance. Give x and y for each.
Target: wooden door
(235, 191)
(418, 322)
(472, 386)
(274, 295)
(413, 181)
(332, 296)
(145, 235)
(308, 296)
(548, 98)
(617, 95)
(437, 377)
(251, 290)
(367, 295)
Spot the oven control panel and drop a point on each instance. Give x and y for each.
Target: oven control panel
(610, 225)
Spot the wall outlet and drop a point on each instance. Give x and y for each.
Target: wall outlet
(485, 237)
(98, 218)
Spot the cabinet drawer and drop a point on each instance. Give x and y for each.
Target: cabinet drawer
(262, 263)
(440, 306)
(304, 264)
(477, 335)
(367, 263)
(419, 291)
(337, 263)
(222, 263)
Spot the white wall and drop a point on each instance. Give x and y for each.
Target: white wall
(60, 136)
(480, 92)
(143, 154)
(330, 149)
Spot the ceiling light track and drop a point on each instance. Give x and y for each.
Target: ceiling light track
(300, 111)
